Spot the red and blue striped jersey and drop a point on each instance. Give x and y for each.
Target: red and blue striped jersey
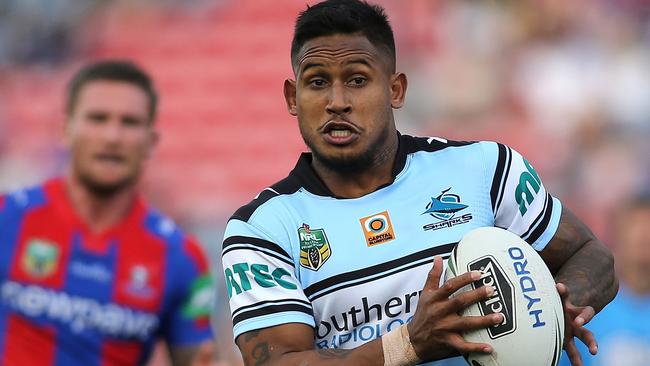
(72, 297)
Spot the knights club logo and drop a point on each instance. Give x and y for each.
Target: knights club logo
(41, 258)
(314, 247)
(444, 207)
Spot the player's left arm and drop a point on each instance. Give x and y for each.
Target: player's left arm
(582, 263)
(584, 271)
(582, 266)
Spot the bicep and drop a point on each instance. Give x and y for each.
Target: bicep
(269, 344)
(571, 236)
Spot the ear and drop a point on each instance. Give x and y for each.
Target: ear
(398, 90)
(290, 96)
(154, 138)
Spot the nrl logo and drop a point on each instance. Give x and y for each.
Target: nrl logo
(314, 247)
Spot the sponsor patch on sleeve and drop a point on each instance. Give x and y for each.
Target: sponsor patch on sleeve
(199, 303)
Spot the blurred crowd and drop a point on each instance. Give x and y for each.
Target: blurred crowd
(566, 83)
(41, 32)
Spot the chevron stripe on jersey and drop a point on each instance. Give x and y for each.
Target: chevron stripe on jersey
(298, 254)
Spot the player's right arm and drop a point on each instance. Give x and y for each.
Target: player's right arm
(293, 344)
(435, 331)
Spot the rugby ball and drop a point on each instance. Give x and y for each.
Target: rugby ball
(532, 331)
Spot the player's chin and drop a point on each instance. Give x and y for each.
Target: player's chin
(348, 150)
(344, 160)
(108, 184)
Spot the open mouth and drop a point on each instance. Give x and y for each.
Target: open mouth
(340, 132)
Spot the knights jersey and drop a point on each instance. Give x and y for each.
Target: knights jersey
(353, 268)
(71, 297)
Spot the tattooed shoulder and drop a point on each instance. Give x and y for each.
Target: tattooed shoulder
(248, 336)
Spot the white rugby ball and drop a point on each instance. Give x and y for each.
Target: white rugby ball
(532, 332)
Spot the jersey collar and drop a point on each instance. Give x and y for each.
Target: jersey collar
(57, 194)
(314, 184)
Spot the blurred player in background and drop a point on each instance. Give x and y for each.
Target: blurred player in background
(623, 327)
(332, 265)
(89, 274)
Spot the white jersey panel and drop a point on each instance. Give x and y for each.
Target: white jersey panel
(521, 203)
(260, 281)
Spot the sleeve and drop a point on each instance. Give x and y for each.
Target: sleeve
(189, 322)
(260, 280)
(520, 203)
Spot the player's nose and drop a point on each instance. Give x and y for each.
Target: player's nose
(112, 131)
(339, 102)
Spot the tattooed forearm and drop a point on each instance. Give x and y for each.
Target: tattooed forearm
(590, 277)
(329, 353)
(293, 345)
(581, 262)
(260, 353)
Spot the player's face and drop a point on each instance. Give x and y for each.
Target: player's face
(343, 96)
(110, 135)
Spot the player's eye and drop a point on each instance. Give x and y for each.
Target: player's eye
(358, 81)
(97, 117)
(131, 121)
(317, 83)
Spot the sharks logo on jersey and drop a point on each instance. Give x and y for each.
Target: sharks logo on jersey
(444, 208)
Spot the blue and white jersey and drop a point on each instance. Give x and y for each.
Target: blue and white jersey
(354, 268)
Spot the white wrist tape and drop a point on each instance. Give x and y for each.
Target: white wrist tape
(398, 350)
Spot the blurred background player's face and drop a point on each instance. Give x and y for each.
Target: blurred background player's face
(633, 249)
(110, 135)
(343, 97)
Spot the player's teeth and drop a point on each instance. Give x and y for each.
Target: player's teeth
(340, 133)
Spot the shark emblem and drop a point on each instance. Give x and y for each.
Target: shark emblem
(445, 205)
